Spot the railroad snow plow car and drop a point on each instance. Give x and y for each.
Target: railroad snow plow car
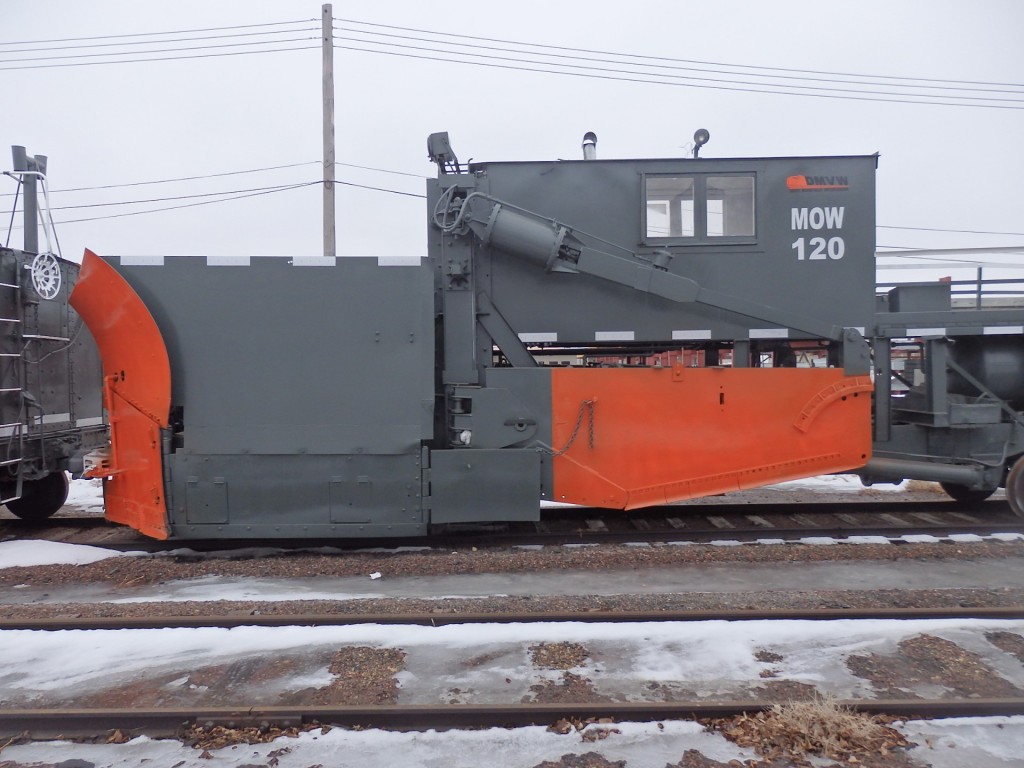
(616, 333)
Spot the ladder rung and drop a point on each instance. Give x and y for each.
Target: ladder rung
(9, 285)
(37, 337)
(10, 354)
(14, 389)
(9, 462)
(8, 320)
(13, 424)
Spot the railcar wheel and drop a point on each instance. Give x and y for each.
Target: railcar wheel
(40, 499)
(1015, 488)
(964, 495)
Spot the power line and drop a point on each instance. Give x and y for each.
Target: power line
(189, 205)
(733, 88)
(871, 80)
(964, 231)
(153, 34)
(233, 195)
(675, 60)
(590, 68)
(379, 189)
(151, 42)
(175, 197)
(225, 192)
(180, 178)
(162, 58)
(383, 170)
(226, 173)
(147, 53)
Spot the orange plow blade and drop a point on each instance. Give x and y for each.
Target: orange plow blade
(638, 437)
(136, 393)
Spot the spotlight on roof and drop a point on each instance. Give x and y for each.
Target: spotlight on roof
(700, 138)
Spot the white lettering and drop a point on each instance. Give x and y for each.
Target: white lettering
(816, 218)
(834, 217)
(833, 248)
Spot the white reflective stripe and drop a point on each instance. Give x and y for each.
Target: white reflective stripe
(536, 338)
(398, 261)
(142, 261)
(8, 431)
(690, 335)
(614, 336)
(227, 261)
(90, 422)
(50, 418)
(769, 333)
(926, 331)
(314, 261)
(1004, 330)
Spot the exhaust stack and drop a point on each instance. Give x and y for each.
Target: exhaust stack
(590, 146)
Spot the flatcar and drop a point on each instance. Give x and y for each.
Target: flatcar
(525, 358)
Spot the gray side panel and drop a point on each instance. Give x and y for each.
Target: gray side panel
(268, 357)
(306, 394)
(532, 386)
(485, 484)
(260, 496)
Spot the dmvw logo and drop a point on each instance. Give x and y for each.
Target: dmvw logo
(799, 182)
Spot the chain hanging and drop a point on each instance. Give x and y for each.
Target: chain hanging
(587, 406)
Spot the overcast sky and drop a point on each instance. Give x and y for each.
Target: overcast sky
(941, 167)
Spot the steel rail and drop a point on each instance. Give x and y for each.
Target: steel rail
(693, 523)
(525, 617)
(74, 723)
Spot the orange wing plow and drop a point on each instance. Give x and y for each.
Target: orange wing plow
(638, 437)
(136, 393)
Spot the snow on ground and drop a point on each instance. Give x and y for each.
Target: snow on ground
(710, 657)
(715, 655)
(991, 742)
(86, 496)
(31, 552)
(640, 744)
(833, 484)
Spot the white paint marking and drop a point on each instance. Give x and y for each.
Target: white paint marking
(691, 335)
(142, 261)
(398, 261)
(769, 333)
(1004, 330)
(537, 338)
(314, 261)
(227, 261)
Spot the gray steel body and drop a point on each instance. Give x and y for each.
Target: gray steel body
(343, 398)
(603, 204)
(302, 393)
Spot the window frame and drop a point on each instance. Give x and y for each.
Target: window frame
(700, 234)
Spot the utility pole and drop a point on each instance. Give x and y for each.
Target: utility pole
(330, 238)
(30, 170)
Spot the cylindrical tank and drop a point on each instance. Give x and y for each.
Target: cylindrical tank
(995, 361)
